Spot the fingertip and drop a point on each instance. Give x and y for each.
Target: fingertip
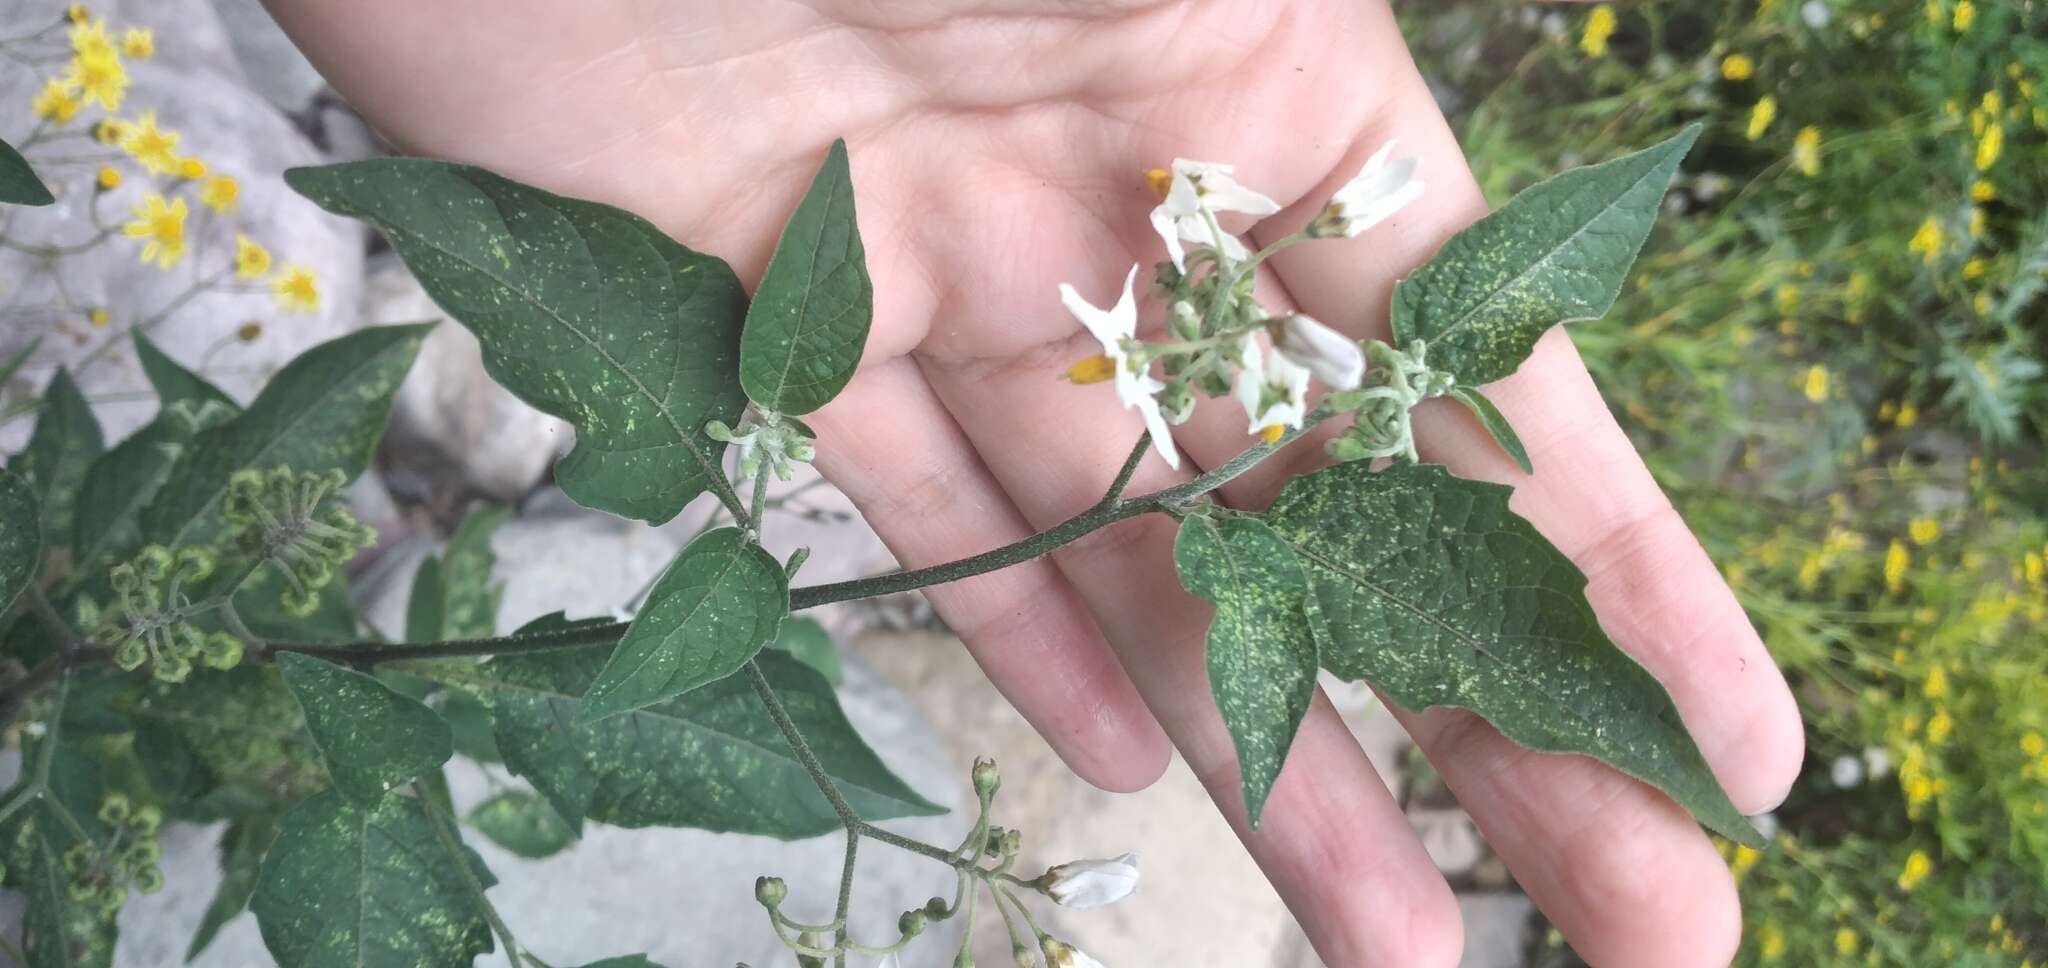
(1674, 905)
(1120, 748)
(1772, 750)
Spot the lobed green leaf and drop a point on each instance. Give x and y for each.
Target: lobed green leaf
(585, 311)
(809, 320)
(1436, 593)
(1555, 253)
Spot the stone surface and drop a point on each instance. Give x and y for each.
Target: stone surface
(196, 87)
(274, 65)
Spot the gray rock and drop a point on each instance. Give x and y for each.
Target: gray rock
(1496, 929)
(196, 88)
(275, 66)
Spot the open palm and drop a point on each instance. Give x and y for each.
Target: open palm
(997, 146)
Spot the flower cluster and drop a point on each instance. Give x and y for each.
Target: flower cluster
(102, 873)
(152, 618)
(1222, 341)
(765, 441)
(279, 519)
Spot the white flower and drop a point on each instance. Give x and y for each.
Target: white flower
(1878, 761)
(1333, 357)
(1199, 187)
(1059, 954)
(1115, 328)
(1847, 771)
(1815, 13)
(1087, 884)
(1274, 392)
(1376, 192)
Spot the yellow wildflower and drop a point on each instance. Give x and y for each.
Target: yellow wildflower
(1981, 305)
(1806, 151)
(191, 168)
(2033, 744)
(2035, 567)
(1745, 858)
(1817, 383)
(1918, 864)
(1788, 298)
(1991, 102)
(54, 103)
(1966, 14)
(1770, 941)
(1975, 269)
(164, 228)
(154, 147)
(1939, 726)
(1924, 530)
(1926, 242)
(1989, 144)
(98, 316)
(1737, 67)
(1761, 116)
(1895, 561)
(252, 260)
(1599, 27)
(1909, 414)
(296, 289)
(99, 78)
(220, 193)
(139, 43)
(1936, 688)
(1983, 191)
(1846, 941)
(89, 39)
(109, 178)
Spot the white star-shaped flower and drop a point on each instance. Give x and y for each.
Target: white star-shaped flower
(1376, 192)
(1116, 329)
(1199, 187)
(1273, 390)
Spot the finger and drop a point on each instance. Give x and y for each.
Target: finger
(915, 478)
(1332, 841)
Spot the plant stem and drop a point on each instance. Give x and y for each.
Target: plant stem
(847, 817)
(452, 842)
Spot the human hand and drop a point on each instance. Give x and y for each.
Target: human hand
(996, 150)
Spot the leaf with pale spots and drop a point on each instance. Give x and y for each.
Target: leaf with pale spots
(808, 641)
(18, 182)
(1555, 253)
(172, 382)
(1262, 646)
(711, 758)
(21, 537)
(718, 603)
(371, 738)
(1496, 423)
(242, 846)
(521, 823)
(585, 311)
(367, 885)
(63, 446)
(809, 321)
(453, 596)
(1436, 593)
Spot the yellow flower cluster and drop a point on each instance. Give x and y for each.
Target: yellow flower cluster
(1599, 27)
(94, 74)
(1918, 864)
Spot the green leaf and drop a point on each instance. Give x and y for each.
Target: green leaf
(122, 482)
(372, 738)
(805, 639)
(1439, 595)
(58, 930)
(522, 823)
(13, 363)
(174, 383)
(242, 846)
(1496, 423)
(354, 885)
(810, 317)
(333, 618)
(1555, 253)
(710, 759)
(452, 596)
(323, 411)
(66, 440)
(18, 182)
(1262, 647)
(585, 311)
(244, 725)
(21, 537)
(715, 607)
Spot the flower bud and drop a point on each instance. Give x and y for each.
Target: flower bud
(911, 924)
(1182, 320)
(1176, 403)
(1024, 957)
(986, 779)
(1333, 357)
(937, 909)
(1087, 884)
(114, 810)
(1059, 954)
(145, 820)
(1012, 842)
(770, 891)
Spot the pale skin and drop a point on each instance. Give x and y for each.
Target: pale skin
(997, 150)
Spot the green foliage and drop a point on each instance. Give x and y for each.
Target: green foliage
(18, 182)
(120, 483)
(1262, 640)
(717, 605)
(804, 638)
(244, 726)
(1556, 252)
(173, 383)
(585, 311)
(66, 441)
(809, 319)
(521, 823)
(242, 846)
(710, 758)
(1436, 593)
(1496, 424)
(367, 885)
(21, 537)
(452, 595)
(371, 738)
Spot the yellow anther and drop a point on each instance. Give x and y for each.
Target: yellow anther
(1094, 369)
(1159, 180)
(1272, 432)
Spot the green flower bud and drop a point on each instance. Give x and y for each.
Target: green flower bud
(147, 818)
(78, 858)
(937, 909)
(172, 667)
(114, 810)
(986, 779)
(142, 853)
(88, 612)
(196, 563)
(149, 880)
(123, 578)
(130, 654)
(112, 898)
(1013, 841)
(82, 890)
(1024, 957)
(154, 563)
(911, 924)
(770, 891)
(222, 651)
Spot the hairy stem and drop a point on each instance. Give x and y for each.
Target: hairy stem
(444, 831)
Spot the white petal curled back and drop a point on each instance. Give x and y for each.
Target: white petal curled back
(1086, 884)
(1334, 358)
(1109, 326)
(1198, 187)
(1218, 190)
(1376, 192)
(1273, 391)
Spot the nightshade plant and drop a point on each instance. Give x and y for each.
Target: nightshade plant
(184, 650)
